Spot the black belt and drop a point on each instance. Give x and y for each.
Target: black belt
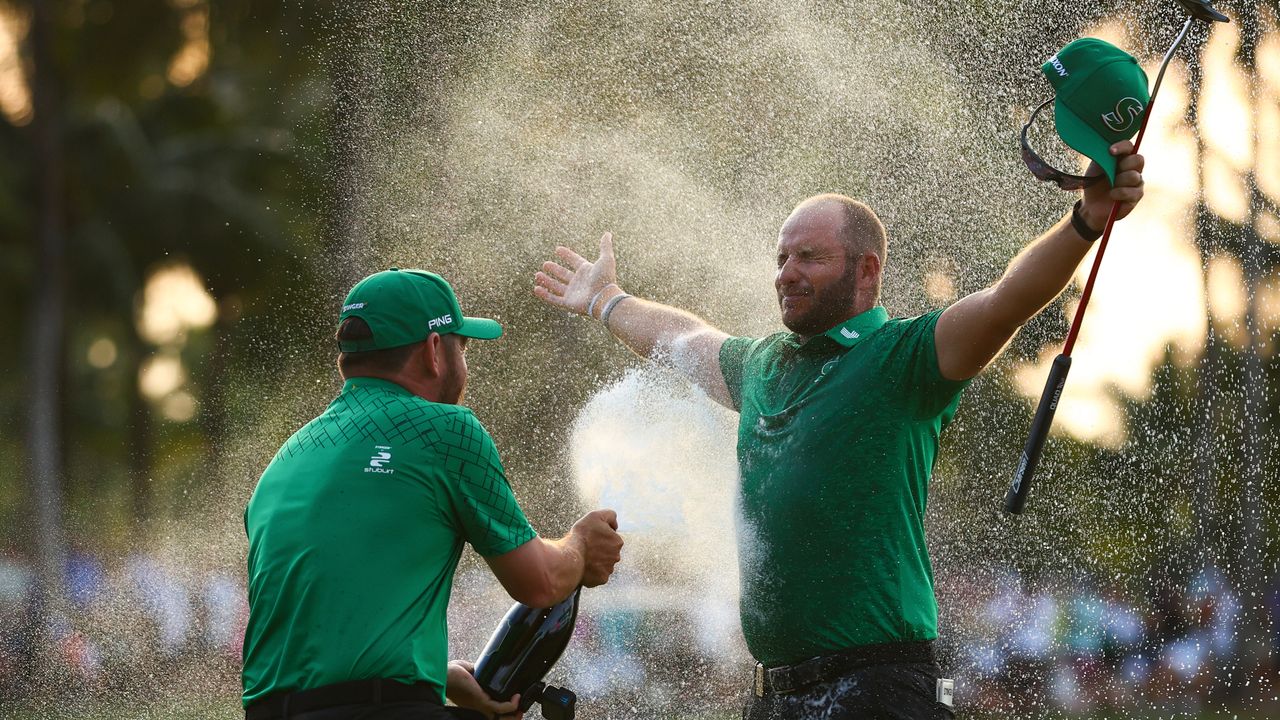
(355, 692)
(790, 678)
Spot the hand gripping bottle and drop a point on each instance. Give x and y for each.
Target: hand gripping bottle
(522, 650)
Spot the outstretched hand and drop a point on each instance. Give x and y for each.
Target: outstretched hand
(1127, 191)
(572, 285)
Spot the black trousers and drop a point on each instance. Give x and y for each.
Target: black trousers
(894, 691)
(411, 710)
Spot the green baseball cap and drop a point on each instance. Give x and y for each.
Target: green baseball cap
(1101, 97)
(403, 307)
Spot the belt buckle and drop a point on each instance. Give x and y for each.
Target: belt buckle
(759, 683)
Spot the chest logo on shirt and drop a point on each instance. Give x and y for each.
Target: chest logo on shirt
(851, 334)
(381, 456)
(826, 368)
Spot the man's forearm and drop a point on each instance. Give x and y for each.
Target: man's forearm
(669, 335)
(1037, 275)
(541, 572)
(652, 330)
(565, 560)
(974, 329)
(972, 332)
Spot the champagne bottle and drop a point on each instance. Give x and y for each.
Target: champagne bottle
(526, 644)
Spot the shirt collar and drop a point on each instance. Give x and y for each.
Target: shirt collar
(373, 382)
(849, 332)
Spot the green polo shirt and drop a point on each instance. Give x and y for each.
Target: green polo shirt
(355, 530)
(836, 442)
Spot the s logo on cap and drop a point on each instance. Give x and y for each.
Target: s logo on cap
(1127, 111)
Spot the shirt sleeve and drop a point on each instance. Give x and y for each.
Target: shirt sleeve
(484, 507)
(733, 362)
(926, 392)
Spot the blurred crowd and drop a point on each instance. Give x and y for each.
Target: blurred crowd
(1031, 648)
(135, 623)
(1083, 646)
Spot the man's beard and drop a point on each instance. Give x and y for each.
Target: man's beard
(453, 386)
(829, 308)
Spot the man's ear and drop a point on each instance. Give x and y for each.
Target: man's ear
(869, 267)
(433, 355)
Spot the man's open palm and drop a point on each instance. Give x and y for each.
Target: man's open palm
(572, 285)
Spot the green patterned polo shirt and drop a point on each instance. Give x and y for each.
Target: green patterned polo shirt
(355, 530)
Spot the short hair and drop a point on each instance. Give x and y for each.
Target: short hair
(376, 362)
(862, 231)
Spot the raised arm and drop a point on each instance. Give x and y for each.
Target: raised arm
(975, 329)
(652, 330)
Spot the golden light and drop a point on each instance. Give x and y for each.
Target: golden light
(192, 59)
(102, 353)
(1226, 125)
(1268, 305)
(1268, 226)
(174, 301)
(1269, 64)
(1225, 191)
(1226, 289)
(160, 375)
(15, 93)
(179, 406)
(1267, 169)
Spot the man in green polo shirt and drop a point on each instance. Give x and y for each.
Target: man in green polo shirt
(357, 525)
(839, 427)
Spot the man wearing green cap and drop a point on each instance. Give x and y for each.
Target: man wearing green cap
(357, 525)
(840, 419)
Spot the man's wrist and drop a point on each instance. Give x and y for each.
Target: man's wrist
(1085, 223)
(608, 293)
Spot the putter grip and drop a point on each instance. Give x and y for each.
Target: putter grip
(1017, 497)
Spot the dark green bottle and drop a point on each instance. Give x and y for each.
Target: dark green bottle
(527, 643)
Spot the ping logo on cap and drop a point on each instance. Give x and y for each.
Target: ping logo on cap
(1127, 110)
(441, 321)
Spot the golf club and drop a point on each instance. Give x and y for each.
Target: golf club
(1015, 500)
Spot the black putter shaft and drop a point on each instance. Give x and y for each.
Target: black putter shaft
(1016, 499)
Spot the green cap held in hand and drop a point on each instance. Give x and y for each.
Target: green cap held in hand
(1101, 97)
